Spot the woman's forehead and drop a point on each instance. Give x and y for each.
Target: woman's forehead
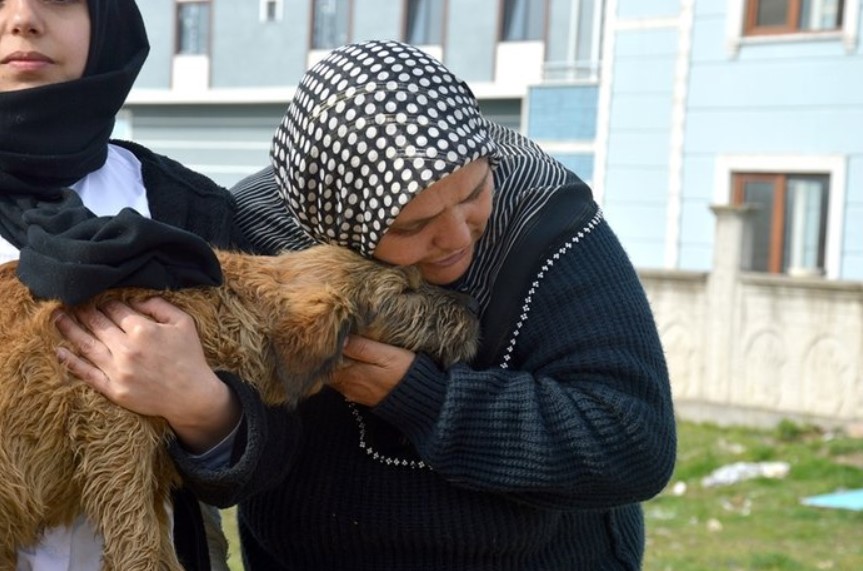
(449, 190)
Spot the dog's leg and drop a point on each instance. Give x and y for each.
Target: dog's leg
(35, 469)
(125, 477)
(19, 515)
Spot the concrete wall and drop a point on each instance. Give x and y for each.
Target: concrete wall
(224, 142)
(248, 52)
(753, 349)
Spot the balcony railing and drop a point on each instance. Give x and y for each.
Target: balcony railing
(584, 71)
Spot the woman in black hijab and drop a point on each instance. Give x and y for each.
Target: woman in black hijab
(85, 213)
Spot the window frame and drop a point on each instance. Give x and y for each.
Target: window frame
(780, 256)
(778, 222)
(834, 166)
(791, 26)
(736, 37)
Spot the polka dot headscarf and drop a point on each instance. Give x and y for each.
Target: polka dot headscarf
(371, 126)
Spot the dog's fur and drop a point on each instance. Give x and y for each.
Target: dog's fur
(278, 322)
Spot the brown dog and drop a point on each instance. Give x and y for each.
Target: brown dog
(278, 322)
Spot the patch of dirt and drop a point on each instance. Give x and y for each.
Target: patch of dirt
(854, 459)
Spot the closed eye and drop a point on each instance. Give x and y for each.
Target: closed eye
(417, 226)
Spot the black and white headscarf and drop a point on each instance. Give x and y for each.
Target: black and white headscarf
(371, 126)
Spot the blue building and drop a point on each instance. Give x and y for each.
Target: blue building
(665, 106)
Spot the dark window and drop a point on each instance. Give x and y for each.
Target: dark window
(193, 27)
(424, 22)
(330, 22)
(271, 13)
(793, 16)
(790, 224)
(523, 20)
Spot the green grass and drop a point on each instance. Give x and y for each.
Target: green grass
(752, 525)
(757, 524)
(229, 524)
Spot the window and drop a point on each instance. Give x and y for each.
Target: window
(790, 225)
(193, 27)
(330, 23)
(578, 58)
(523, 20)
(271, 10)
(424, 22)
(793, 16)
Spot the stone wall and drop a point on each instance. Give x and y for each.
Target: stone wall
(751, 348)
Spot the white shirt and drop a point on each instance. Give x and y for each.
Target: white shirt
(116, 185)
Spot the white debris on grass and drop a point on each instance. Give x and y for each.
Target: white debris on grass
(714, 525)
(739, 471)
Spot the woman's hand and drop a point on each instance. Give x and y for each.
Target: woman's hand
(370, 370)
(147, 357)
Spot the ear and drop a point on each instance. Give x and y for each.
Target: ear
(308, 334)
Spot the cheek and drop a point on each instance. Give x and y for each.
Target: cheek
(401, 252)
(478, 219)
(75, 59)
(79, 46)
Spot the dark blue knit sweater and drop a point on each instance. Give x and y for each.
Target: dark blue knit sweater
(540, 451)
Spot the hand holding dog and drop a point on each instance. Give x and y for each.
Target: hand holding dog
(371, 370)
(147, 357)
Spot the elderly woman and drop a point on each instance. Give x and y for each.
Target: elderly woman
(536, 454)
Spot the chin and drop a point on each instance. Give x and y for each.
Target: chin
(448, 275)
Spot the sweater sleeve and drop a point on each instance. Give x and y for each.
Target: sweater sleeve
(577, 415)
(262, 455)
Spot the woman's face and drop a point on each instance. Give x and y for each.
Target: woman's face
(42, 42)
(437, 230)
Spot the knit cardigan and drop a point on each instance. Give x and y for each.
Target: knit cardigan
(534, 457)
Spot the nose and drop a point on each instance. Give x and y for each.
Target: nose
(23, 17)
(453, 231)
